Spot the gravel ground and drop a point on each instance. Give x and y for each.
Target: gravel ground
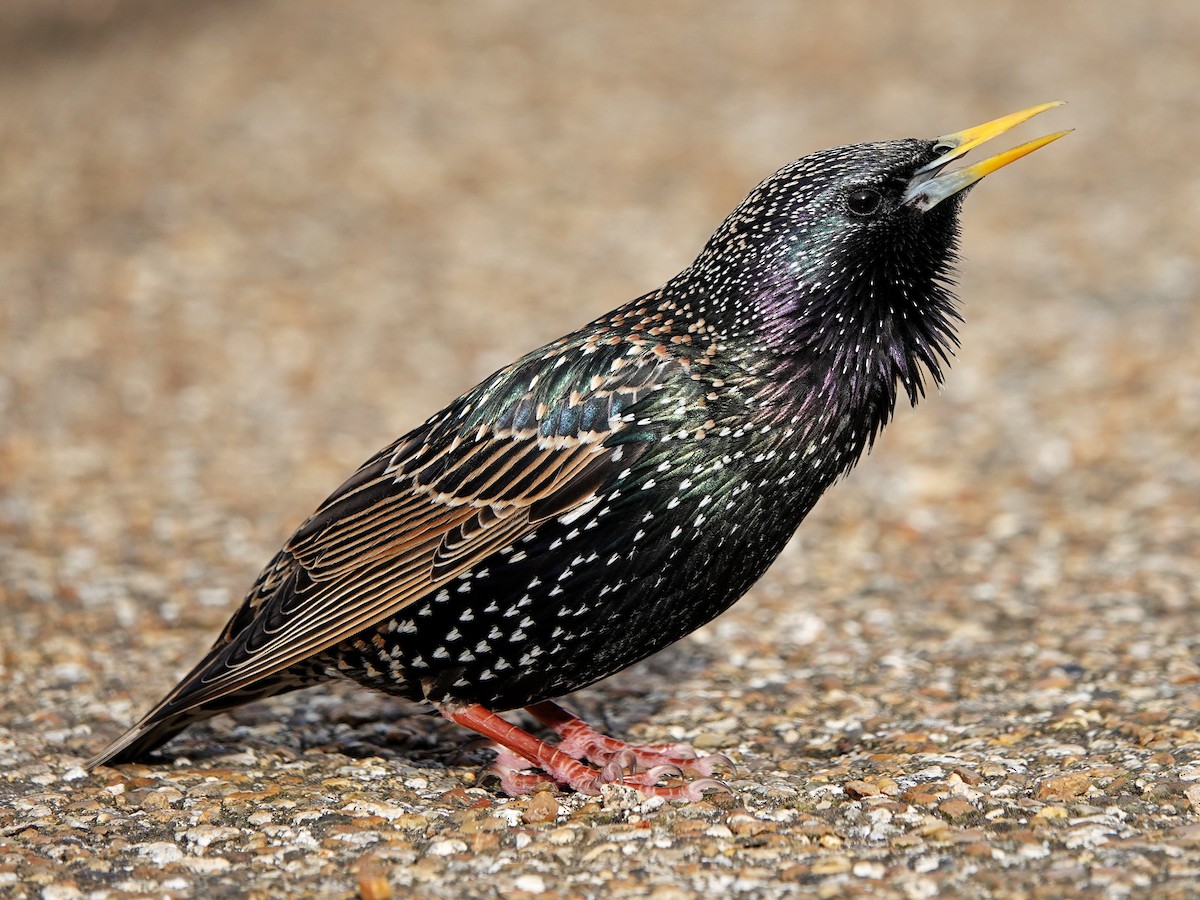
(243, 245)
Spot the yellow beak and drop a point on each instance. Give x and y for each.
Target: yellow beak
(928, 188)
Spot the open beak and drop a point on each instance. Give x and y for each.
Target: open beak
(930, 185)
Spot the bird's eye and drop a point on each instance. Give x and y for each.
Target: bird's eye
(864, 201)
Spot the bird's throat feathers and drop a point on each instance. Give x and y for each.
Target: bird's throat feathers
(858, 336)
(840, 334)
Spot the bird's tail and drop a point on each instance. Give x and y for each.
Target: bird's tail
(154, 730)
(182, 708)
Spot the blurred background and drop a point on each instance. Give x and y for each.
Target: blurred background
(245, 244)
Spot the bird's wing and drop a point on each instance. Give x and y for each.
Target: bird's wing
(524, 446)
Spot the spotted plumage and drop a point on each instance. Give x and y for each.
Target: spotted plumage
(608, 493)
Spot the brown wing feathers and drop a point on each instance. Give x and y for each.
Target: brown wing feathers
(416, 516)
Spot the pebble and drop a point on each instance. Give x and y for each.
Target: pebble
(534, 884)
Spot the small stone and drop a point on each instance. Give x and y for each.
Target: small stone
(206, 865)
(869, 869)
(160, 852)
(204, 835)
(534, 884)
(980, 850)
(1064, 787)
(542, 808)
(748, 826)
(969, 776)
(831, 865)
(1193, 797)
(161, 799)
(1052, 812)
(373, 883)
(710, 741)
(956, 809)
(447, 847)
(859, 789)
(920, 797)
(411, 823)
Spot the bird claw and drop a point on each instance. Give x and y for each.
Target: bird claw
(611, 772)
(580, 741)
(692, 791)
(516, 780)
(697, 788)
(704, 766)
(509, 768)
(713, 760)
(625, 759)
(611, 761)
(665, 770)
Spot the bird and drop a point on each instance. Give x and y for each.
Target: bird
(613, 490)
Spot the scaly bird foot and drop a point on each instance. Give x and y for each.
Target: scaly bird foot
(580, 741)
(520, 750)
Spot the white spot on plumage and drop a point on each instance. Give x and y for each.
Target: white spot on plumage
(527, 658)
(578, 512)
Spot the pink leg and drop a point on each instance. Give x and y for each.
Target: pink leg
(581, 741)
(562, 768)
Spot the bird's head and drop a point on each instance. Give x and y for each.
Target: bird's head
(841, 261)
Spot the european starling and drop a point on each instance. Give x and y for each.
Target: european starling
(612, 491)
